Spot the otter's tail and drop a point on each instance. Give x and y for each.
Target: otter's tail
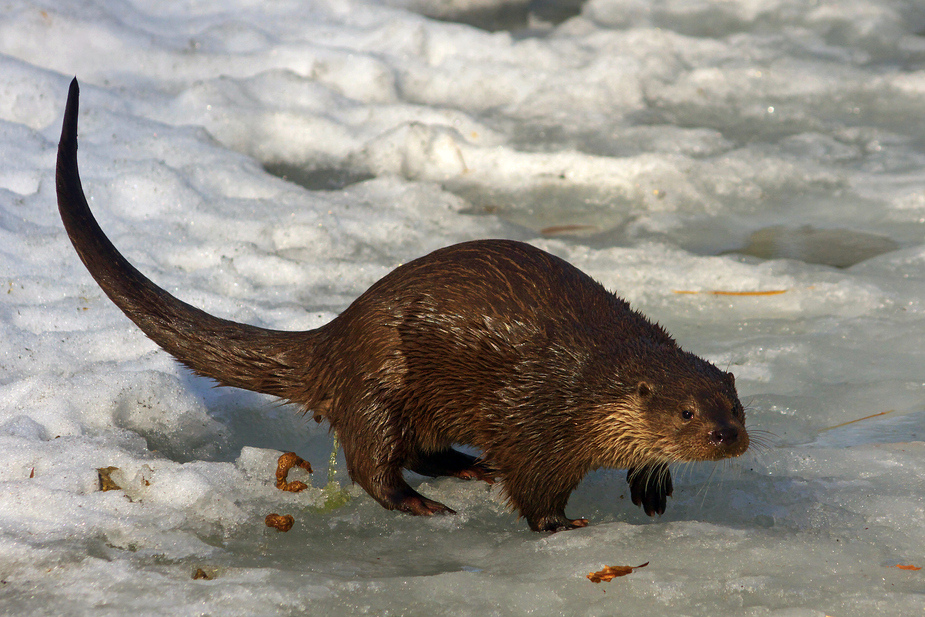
(231, 353)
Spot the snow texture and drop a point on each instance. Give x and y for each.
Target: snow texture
(268, 161)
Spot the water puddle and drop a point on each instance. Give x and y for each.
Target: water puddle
(839, 248)
(603, 217)
(522, 18)
(322, 179)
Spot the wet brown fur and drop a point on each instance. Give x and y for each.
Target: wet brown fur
(493, 343)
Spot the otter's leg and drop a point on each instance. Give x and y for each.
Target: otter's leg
(389, 488)
(450, 462)
(547, 513)
(398, 495)
(650, 487)
(541, 498)
(375, 457)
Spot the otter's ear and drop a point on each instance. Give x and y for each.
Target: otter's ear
(643, 389)
(730, 379)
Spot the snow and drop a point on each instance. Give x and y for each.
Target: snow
(662, 146)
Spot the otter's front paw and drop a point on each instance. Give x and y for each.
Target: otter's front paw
(650, 487)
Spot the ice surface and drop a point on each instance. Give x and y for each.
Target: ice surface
(672, 149)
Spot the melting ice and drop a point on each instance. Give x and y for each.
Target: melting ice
(269, 161)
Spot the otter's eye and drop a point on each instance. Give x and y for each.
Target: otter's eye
(687, 414)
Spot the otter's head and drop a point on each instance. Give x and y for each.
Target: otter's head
(672, 407)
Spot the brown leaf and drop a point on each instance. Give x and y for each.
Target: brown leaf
(561, 230)
(280, 523)
(913, 568)
(720, 292)
(611, 572)
(873, 415)
(107, 483)
(286, 462)
(201, 574)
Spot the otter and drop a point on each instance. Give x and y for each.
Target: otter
(494, 344)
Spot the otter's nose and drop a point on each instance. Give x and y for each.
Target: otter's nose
(724, 436)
